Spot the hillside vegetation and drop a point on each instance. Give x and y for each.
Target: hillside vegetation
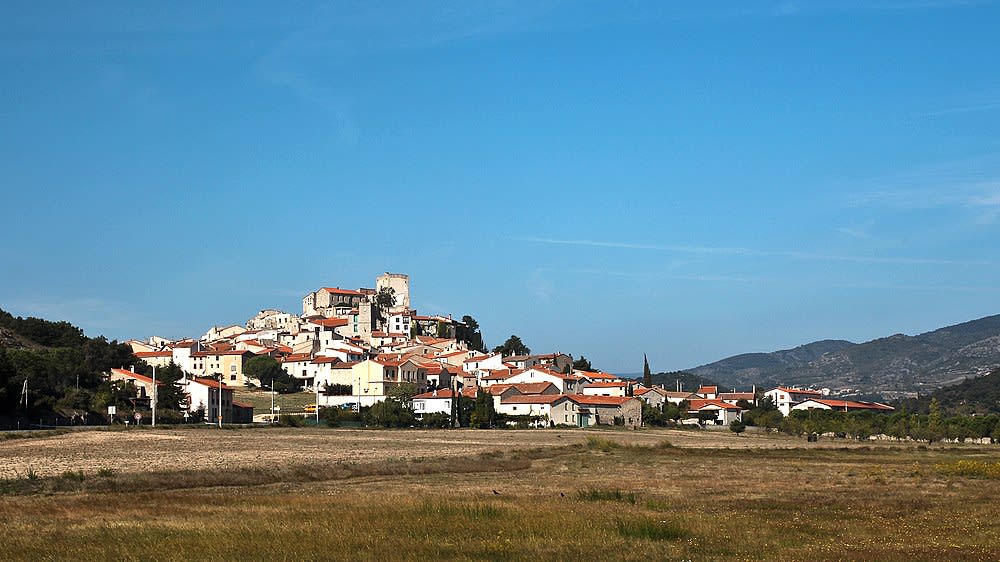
(892, 366)
(62, 366)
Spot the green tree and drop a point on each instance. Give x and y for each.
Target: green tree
(267, 369)
(647, 375)
(737, 427)
(403, 392)
(513, 346)
(385, 299)
(583, 364)
(471, 335)
(483, 415)
(169, 394)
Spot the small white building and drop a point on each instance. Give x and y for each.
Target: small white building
(438, 401)
(606, 389)
(552, 409)
(204, 394)
(784, 398)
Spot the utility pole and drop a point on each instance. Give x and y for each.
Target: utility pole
(220, 401)
(153, 399)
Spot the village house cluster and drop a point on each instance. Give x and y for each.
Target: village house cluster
(353, 348)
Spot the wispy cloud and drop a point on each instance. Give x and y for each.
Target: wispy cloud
(980, 200)
(859, 232)
(748, 252)
(961, 109)
(798, 7)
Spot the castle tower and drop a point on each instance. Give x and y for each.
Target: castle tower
(400, 284)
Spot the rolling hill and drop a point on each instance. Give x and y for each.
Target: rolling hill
(893, 366)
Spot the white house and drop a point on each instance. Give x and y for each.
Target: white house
(605, 389)
(842, 405)
(785, 397)
(438, 401)
(724, 412)
(489, 362)
(567, 384)
(204, 394)
(553, 409)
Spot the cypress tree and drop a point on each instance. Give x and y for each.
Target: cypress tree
(647, 376)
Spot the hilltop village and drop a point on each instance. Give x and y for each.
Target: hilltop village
(354, 348)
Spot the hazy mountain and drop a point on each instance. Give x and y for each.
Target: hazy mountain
(893, 366)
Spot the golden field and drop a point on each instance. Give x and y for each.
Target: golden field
(310, 494)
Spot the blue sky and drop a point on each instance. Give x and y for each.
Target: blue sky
(686, 180)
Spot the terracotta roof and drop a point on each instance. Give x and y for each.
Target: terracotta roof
(524, 387)
(701, 404)
(852, 404)
(345, 364)
(480, 358)
(208, 382)
(136, 376)
(297, 357)
(227, 352)
(331, 322)
(339, 291)
(325, 359)
(708, 390)
(142, 354)
(550, 372)
(610, 385)
(534, 398)
(593, 375)
(239, 404)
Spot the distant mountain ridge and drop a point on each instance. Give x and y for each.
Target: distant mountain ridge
(894, 366)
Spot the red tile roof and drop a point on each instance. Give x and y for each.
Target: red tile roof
(534, 398)
(227, 352)
(852, 404)
(209, 382)
(331, 322)
(144, 354)
(136, 376)
(700, 404)
(339, 291)
(595, 375)
(610, 385)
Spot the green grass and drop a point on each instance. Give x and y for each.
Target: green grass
(615, 495)
(261, 400)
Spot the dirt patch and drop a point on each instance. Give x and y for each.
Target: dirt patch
(207, 449)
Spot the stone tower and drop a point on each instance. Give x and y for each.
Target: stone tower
(400, 284)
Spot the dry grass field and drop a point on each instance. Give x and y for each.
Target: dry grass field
(308, 494)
